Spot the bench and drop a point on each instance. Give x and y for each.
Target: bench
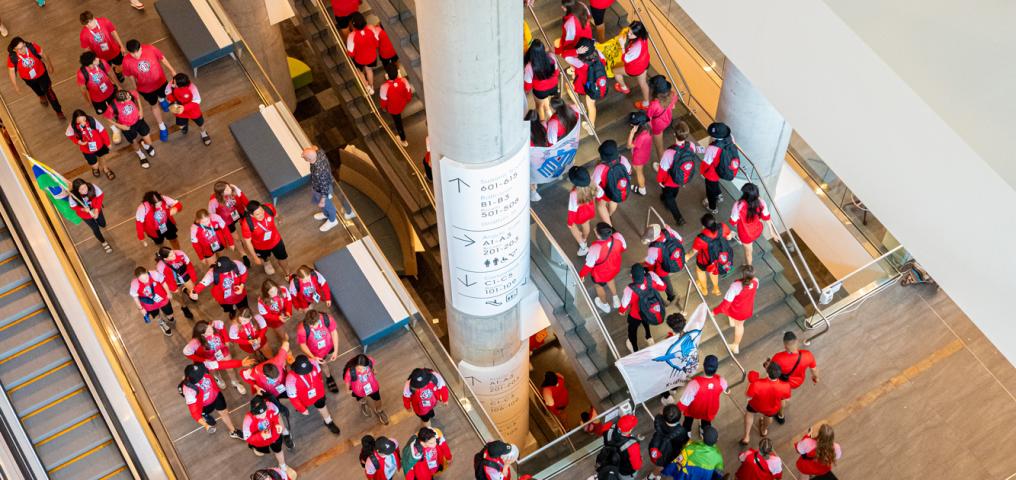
(197, 31)
(273, 148)
(365, 292)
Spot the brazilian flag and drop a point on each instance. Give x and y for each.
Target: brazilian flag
(57, 189)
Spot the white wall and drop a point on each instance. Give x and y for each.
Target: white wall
(917, 174)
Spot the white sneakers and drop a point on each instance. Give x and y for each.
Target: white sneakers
(602, 306)
(349, 215)
(651, 341)
(534, 196)
(642, 191)
(734, 348)
(583, 249)
(239, 388)
(269, 269)
(617, 302)
(329, 225)
(319, 216)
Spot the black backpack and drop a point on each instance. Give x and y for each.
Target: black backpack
(667, 443)
(613, 452)
(729, 159)
(596, 75)
(480, 462)
(719, 251)
(682, 170)
(618, 181)
(649, 302)
(671, 253)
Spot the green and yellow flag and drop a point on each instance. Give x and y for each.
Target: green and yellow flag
(57, 188)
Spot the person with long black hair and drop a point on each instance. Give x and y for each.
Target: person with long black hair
(749, 216)
(739, 303)
(537, 138)
(154, 218)
(92, 139)
(540, 76)
(636, 62)
(359, 376)
(86, 200)
(362, 45)
(562, 120)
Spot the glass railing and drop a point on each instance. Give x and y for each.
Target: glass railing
(570, 448)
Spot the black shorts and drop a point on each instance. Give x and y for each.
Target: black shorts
(597, 14)
(166, 310)
(541, 94)
(139, 129)
(366, 66)
(278, 251)
(235, 307)
(427, 416)
(389, 61)
(376, 396)
(321, 402)
(275, 447)
(752, 410)
(182, 122)
(156, 95)
(101, 106)
(117, 60)
(343, 22)
(232, 227)
(169, 234)
(217, 406)
(93, 158)
(40, 85)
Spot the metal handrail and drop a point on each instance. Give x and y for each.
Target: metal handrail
(709, 312)
(864, 267)
(556, 422)
(425, 186)
(568, 434)
(563, 74)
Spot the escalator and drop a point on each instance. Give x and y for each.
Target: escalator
(41, 379)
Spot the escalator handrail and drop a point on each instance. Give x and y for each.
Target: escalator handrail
(547, 414)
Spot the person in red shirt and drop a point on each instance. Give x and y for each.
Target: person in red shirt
(636, 63)
(765, 396)
(395, 94)
(386, 51)
(99, 36)
(540, 76)
(96, 86)
(151, 295)
(676, 168)
(575, 25)
(275, 306)
(794, 363)
(603, 262)
(598, 10)
(380, 457)
(185, 102)
(319, 339)
(228, 279)
(610, 192)
(712, 232)
(579, 61)
(644, 288)
(739, 303)
(621, 436)
(154, 218)
(581, 207)
(701, 397)
(424, 389)
(179, 272)
(250, 333)
(260, 233)
(761, 464)
(562, 121)
(721, 134)
(749, 216)
(209, 236)
(307, 287)
(93, 141)
(362, 45)
(305, 388)
(28, 61)
(269, 376)
(203, 396)
(264, 430)
(343, 11)
(148, 66)
(664, 255)
(555, 395)
(86, 200)
(230, 203)
(209, 343)
(426, 455)
(128, 116)
(358, 375)
(819, 452)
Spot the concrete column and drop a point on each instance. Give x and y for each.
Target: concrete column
(479, 143)
(265, 40)
(758, 127)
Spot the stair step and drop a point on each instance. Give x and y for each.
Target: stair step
(8, 248)
(97, 465)
(19, 302)
(75, 443)
(53, 388)
(72, 414)
(26, 332)
(22, 369)
(13, 273)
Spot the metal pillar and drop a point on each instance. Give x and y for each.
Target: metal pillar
(472, 74)
(265, 41)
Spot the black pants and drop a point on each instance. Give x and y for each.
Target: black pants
(712, 193)
(669, 198)
(633, 328)
(670, 287)
(96, 224)
(43, 87)
(398, 126)
(688, 421)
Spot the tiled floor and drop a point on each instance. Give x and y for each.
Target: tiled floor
(185, 170)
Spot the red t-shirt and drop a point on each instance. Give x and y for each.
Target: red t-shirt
(265, 233)
(787, 360)
(345, 8)
(765, 395)
(395, 95)
(146, 69)
(101, 41)
(30, 67)
(98, 83)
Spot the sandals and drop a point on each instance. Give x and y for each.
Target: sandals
(106, 247)
(109, 174)
(207, 140)
(144, 163)
(622, 90)
(96, 173)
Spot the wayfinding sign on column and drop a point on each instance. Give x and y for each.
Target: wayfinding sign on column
(486, 214)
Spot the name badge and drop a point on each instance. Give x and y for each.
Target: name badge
(103, 87)
(311, 393)
(31, 73)
(156, 298)
(215, 246)
(92, 146)
(163, 228)
(367, 389)
(235, 215)
(321, 343)
(104, 46)
(268, 235)
(425, 403)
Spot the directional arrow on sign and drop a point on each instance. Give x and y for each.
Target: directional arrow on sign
(459, 183)
(468, 241)
(472, 380)
(466, 282)
(494, 303)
